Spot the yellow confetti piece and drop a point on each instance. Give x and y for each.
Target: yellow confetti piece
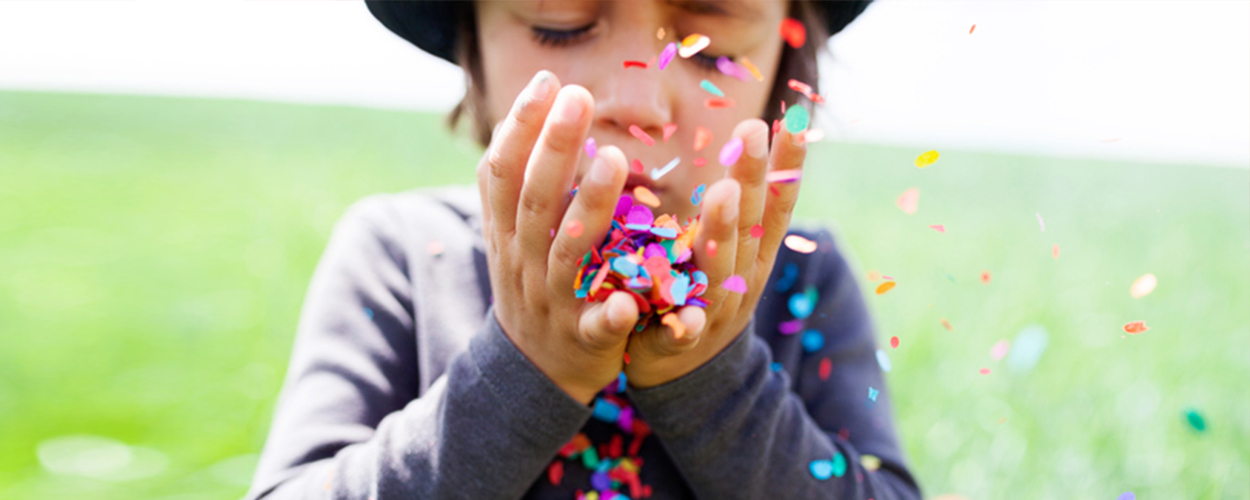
(1143, 286)
(870, 462)
(926, 158)
(885, 287)
(646, 197)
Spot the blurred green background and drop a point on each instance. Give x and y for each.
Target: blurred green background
(154, 254)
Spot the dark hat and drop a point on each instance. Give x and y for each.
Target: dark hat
(431, 24)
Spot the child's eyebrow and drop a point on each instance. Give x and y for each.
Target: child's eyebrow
(732, 8)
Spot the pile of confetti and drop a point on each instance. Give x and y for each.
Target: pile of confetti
(615, 466)
(648, 257)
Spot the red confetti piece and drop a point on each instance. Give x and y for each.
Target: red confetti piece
(699, 162)
(757, 231)
(555, 472)
(985, 371)
(985, 277)
(636, 166)
(1135, 327)
(806, 90)
(885, 287)
(574, 228)
(894, 342)
(642, 135)
(947, 325)
(627, 358)
(826, 368)
(718, 102)
(793, 32)
(669, 128)
(711, 248)
(635, 64)
(938, 227)
(970, 30)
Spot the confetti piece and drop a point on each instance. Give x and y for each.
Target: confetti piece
(970, 32)
(806, 90)
(730, 153)
(656, 174)
(646, 197)
(789, 276)
(870, 462)
(872, 394)
(435, 248)
(692, 45)
(926, 158)
(799, 244)
(812, 135)
(1027, 348)
(783, 176)
(821, 469)
(1128, 495)
(368, 313)
(1135, 327)
(666, 55)
(635, 64)
(1143, 286)
(894, 342)
(776, 366)
(642, 135)
(938, 227)
(636, 166)
(699, 162)
(826, 369)
(796, 119)
(711, 248)
(1040, 221)
(793, 32)
(839, 464)
(947, 325)
(711, 88)
(909, 201)
(702, 137)
(574, 228)
(555, 472)
(697, 196)
(801, 304)
(718, 103)
(669, 129)
(757, 231)
(812, 340)
(984, 371)
(591, 148)
(884, 360)
(872, 275)
(735, 284)
(985, 277)
(1054, 251)
(885, 287)
(670, 320)
(999, 351)
(746, 63)
(1195, 420)
(728, 67)
(659, 34)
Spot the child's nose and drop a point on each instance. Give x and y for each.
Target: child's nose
(632, 96)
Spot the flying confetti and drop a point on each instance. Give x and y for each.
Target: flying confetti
(793, 32)
(999, 351)
(1135, 327)
(692, 45)
(909, 201)
(574, 228)
(735, 284)
(642, 135)
(926, 158)
(591, 148)
(646, 197)
(938, 227)
(799, 244)
(1143, 286)
(669, 129)
(656, 174)
(885, 287)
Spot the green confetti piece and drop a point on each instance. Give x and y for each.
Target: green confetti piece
(711, 87)
(796, 119)
(1195, 420)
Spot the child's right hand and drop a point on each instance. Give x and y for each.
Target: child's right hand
(525, 178)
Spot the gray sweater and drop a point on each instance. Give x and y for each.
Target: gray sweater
(402, 385)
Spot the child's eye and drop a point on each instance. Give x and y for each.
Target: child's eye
(560, 38)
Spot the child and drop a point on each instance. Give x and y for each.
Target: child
(442, 352)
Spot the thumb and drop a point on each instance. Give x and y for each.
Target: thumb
(678, 332)
(607, 325)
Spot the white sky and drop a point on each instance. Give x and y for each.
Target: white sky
(1147, 80)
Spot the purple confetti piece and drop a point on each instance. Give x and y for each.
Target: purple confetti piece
(666, 56)
(731, 68)
(731, 152)
(623, 205)
(735, 283)
(591, 148)
(790, 327)
(640, 215)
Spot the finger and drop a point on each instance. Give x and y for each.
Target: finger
(483, 191)
(789, 153)
(678, 333)
(589, 217)
(606, 325)
(550, 171)
(510, 148)
(718, 223)
(749, 171)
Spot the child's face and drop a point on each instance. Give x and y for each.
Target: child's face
(586, 42)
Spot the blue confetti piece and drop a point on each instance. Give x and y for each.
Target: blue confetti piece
(620, 382)
(813, 340)
(872, 394)
(1128, 495)
(368, 313)
(883, 360)
(821, 469)
(678, 289)
(788, 277)
(1027, 348)
(801, 305)
(606, 410)
(776, 366)
(711, 88)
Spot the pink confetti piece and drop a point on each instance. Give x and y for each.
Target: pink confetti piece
(985, 371)
(783, 176)
(735, 284)
(636, 167)
(999, 351)
(1054, 251)
(728, 67)
(806, 90)
(591, 148)
(938, 227)
(757, 231)
(1041, 222)
(730, 153)
(711, 248)
(669, 129)
(799, 244)
(642, 135)
(894, 342)
(985, 277)
(790, 327)
(700, 161)
(666, 56)
(574, 228)
(909, 201)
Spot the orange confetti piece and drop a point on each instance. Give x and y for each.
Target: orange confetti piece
(1054, 251)
(985, 277)
(746, 63)
(909, 201)
(669, 129)
(671, 320)
(659, 34)
(938, 227)
(692, 45)
(799, 244)
(1143, 286)
(926, 158)
(885, 287)
(702, 137)
(718, 102)
(971, 29)
(574, 228)
(646, 197)
(1135, 327)
(947, 325)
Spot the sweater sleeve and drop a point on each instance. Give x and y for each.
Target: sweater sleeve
(349, 423)
(736, 429)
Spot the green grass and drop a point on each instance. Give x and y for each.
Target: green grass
(154, 253)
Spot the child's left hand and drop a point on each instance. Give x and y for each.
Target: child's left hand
(731, 207)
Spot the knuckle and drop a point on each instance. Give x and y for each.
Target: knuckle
(532, 204)
(561, 139)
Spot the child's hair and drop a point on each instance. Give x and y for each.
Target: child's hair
(798, 64)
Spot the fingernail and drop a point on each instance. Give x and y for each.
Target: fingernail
(729, 213)
(570, 110)
(600, 172)
(757, 144)
(799, 139)
(539, 87)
